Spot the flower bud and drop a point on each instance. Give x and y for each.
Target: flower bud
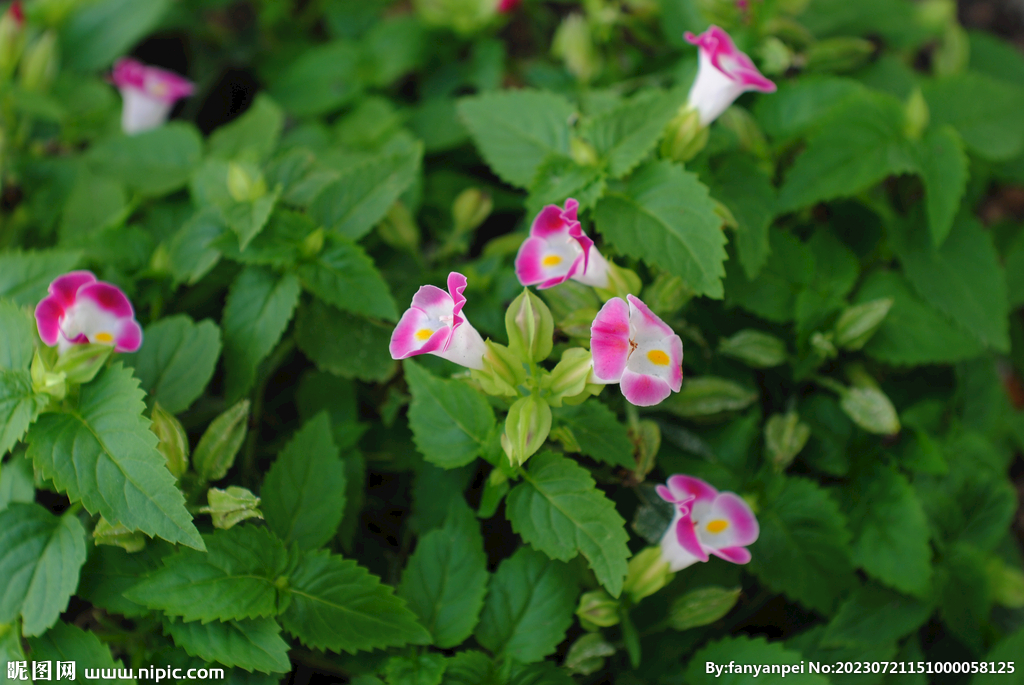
(173, 440)
(245, 182)
(647, 438)
(870, 409)
(582, 152)
(82, 362)
(530, 328)
(231, 506)
(667, 294)
(398, 228)
(470, 209)
(312, 244)
(776, 57)
(575, 46)
(597, 609)
(647, 574)
(685, 136)
(709, 396)
(916, 115)
(118, 535)
(702, 606)
(46, 381)
(12, 39)
(526, 427)
(569, 377)
(754, 348)
(462, 16)
(935, 15)
(503, 372)
(857, 324)
(217, 449)
(1006, 583)
(822, 344)
(784, 436)
(839, 54)
(587, 654)
(39, 63)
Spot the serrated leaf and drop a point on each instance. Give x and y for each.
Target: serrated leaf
(860, 144)
(1006, 650)
(964, 594)
(422, 669)
(598, 432)
(233, 580)
(747, 191)
(803, 103)
(626, 134)
(154, 162)
(304, 492)
(942, 164)
(963, 278)
(361, 196)
(248, 219)
(529, 606)
(321, 79)
(890, 532)
(177, 360)
(773, 295)
(17, 481)
(40, 557)
(450, 421)
(471, 668)
(192, 251)
(445, 580)
(257, 312)
(20, 406)
(98, 32)
(835, 273)
(875, 616)
(253, 645)
(745, 650)
(256, 131)
(559, 178)
(345, 277)
(24, 276)
(66, 642)
(664, 216)
(985, 111)
(338, 605)
(515, 130)
(560, 512)
(803, 550)
(110, 571)
(343, 344)
(103, 453)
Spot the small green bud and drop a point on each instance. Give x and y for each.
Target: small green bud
(118, 535)
(870, 409)
(530, 328)
(589, 390)
(754, 348)
(12, 40)
(312, 244)
(398, 228)
(708, 396)
(587, 654)
(81, 363)
(784, 436)
(470, 209)
(526, 427)
(575, 46)
(647, 574)
(776, 57)
(231, 506)
(857, 324)
(916, 115)
(582, 152)
(685, 136)
(702, 606)
(822, 344)
(245, 182)
(569, 377)
(160, 261)
(935, 15)
(462, 16)
(840, 54)
(1006, 583)
(503, 372)
(46, 381)
(173, 440)
(39, 63)
(597, 609)
(217, 449)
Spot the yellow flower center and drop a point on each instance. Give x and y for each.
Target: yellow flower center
(104, 338)
(424, 334)
(551, 260)
(658, 357)
(717, 526)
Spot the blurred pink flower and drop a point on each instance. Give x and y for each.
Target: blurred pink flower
(149, 93)
(81, 309)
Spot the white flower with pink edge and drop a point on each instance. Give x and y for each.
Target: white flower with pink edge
(723, 75)
(149, 94)
(558, 250)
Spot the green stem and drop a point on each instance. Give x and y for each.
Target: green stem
(276, 358)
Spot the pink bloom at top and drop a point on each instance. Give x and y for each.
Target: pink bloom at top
(434, 324)
(558, 250)
(706, 522)
(81, 309)
(724, 74)
(149, 93)
(637, 350)
(505, 6)
(17, 13)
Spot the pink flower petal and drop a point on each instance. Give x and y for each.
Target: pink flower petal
(65, 288)
(553, 220)
(48, 313)
(456, 285)
(683, 487)
(687, 537)
(719, 48)
(609, 340)
(129, 339)
(406, 343)
(644, 324)
(643, 390)
(433, 301)
(108, 298)
(742, 522)
(737, 555)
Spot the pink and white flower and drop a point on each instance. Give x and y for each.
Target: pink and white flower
(558, 250)
(724, 74)
(81, 309)
(434, 324)
(706, 522)
(637, 350)
(149, 93)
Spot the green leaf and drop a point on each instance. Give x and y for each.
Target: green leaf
(95, 202)
(103, 453)
(110, 571)
(871, 409)
(450, 421)
(322, 79)
(192, 251)
(248, 219)
(40, 557)
(963, 278)
(20, 406)
(803, 103)
(1014, 261)
(559, 178)
(773, 294)
(24, 276)
(66, 642)
(471, 668)
(746, 190)
(835, 274)
(445, 580)
(983, 110)
(754, 348)
(345, 277)
(177, 360)
(422, 669)
(913, 332)
(861, 144)
(338, 605)
(626, 134)
(254, 645)
(257, 312)
(304, 492)
(215, 454)
(17, 481)
(96, 33)
(343, 344)
(1006, 650)
(529, 606)
(962, 588)
(664, 216)
(256, 131)
(353, 204)
(803, 550)
(153, 163)
(709, 396)
(890, 532)
(515, 130)
(702, 606)
(875, 616)
(559, 511)
(942, 164)
(747, 652)
(233, 580)
(598, 433)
